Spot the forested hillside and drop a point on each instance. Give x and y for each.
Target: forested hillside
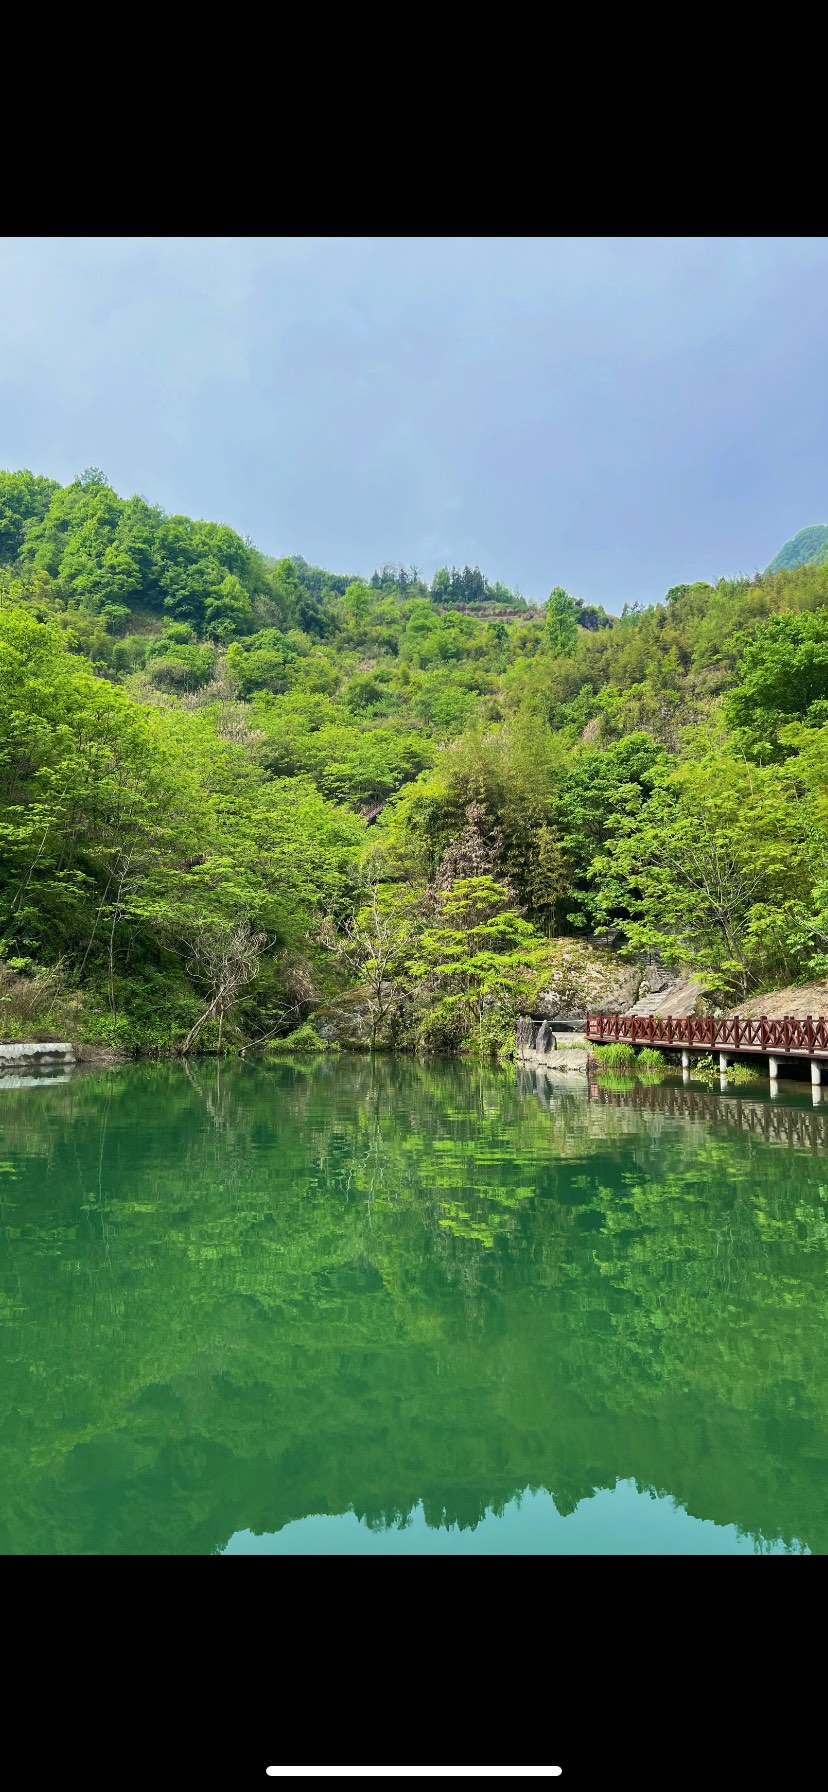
(809, 546)
(238, 794)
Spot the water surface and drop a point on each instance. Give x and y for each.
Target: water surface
(347, 1308)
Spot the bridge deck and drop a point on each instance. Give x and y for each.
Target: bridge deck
(785, 1038)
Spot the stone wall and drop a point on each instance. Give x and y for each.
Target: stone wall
(48, 1053)
(29, 1066)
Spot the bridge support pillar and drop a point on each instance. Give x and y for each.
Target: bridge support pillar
(773, 1068)
(685, 1060)
(816, 1073)
(723, 1063)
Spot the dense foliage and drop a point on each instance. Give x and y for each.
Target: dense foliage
(236, 792)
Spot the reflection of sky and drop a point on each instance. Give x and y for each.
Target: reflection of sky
(619, 1521)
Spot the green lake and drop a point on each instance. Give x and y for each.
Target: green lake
(341, 1307)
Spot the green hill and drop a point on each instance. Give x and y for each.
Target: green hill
(808, 548)
(242, 798)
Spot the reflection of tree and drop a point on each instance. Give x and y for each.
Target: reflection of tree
(369, 1285)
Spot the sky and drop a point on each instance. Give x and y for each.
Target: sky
(611, 414)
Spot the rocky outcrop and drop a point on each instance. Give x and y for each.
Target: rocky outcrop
(663, 992)
(797, 1001)
(585, 978)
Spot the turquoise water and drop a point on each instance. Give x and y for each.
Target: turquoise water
(622, 1521)
(344, 1308)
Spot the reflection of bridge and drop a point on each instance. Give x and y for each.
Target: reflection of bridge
(775, 1039)
(804, 1128)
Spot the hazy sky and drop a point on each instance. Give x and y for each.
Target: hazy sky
(615, 415)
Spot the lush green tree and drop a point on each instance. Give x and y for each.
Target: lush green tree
(24, 499)
(599, 787)
(229, 613)
(460, 587)
(476, 959)
(265, 661)
(712, 869)
(783, 672)
(562, 615)
(376, 942)
(228, 959)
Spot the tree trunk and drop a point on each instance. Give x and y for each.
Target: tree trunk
(201, 1022)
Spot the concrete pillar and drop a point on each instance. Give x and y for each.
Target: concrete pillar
(816, 1073)
(723, 1063)
(685, 1060)
(773, 1068)
(685, 1076)
(816, 1094)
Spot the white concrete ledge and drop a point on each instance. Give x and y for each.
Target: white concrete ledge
(30, 1082)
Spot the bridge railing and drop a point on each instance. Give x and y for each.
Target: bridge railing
(802, 1037)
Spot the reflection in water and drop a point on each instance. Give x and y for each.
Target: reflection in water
(616, 1521)
(346, 1305)
(793, 1124)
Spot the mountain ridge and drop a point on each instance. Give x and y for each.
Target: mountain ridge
(807, 548)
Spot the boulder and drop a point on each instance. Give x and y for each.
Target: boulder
(584, 977)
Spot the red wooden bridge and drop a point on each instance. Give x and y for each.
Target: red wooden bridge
(785, 1038)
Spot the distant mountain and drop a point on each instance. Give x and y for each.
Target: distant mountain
(810, 546)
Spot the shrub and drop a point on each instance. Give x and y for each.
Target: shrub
(707, 1067)
(304, 1039)
(614, 1055)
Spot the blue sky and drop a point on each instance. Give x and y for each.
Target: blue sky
(615, 415)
